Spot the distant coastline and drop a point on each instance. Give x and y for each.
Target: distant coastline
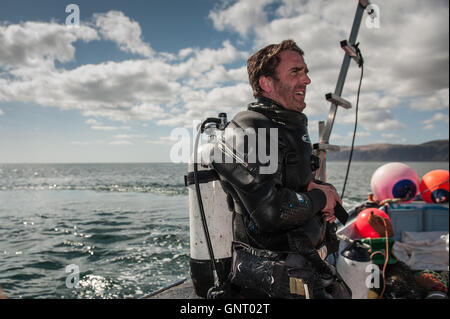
(433, 151)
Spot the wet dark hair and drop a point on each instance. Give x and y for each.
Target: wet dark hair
(265, 61)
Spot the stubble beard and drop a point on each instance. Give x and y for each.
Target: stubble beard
(286, 97)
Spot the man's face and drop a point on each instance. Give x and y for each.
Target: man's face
(289, 86)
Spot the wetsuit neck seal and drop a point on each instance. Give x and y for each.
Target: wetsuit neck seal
(277, 113)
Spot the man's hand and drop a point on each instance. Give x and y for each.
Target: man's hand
(332, 197)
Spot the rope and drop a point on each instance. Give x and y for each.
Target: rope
(396, 200)
(430, 188)
(391, 200)
(386, 257)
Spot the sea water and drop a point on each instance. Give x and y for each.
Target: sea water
(111, 230)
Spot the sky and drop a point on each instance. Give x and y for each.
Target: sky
(117, 86)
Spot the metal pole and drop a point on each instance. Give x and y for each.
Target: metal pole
(325, 138)
(325, 131)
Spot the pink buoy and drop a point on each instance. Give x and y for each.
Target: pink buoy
(395, 180)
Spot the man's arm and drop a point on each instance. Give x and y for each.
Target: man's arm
(271, 206)
(332, 198)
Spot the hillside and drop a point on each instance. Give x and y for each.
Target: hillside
(434, 151)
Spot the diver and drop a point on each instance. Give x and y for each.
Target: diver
(283, 209)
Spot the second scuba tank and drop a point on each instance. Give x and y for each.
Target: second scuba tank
(218, 220)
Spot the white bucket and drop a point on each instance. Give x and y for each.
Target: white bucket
(355, 276)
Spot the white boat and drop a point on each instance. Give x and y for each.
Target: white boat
(416, 265)
(362, 262)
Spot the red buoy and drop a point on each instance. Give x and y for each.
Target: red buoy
(362, 222)
(434, 186)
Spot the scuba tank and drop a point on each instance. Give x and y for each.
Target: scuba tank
(351, 266)
(218, 233)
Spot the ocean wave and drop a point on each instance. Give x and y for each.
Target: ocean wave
(155, 188)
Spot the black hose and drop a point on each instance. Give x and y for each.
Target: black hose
(200, 204)
(356, 124)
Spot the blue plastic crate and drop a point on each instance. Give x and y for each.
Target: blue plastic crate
(409, 218)
(435, 218)
(418, 217)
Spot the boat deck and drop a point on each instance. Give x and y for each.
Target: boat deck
(183, 291)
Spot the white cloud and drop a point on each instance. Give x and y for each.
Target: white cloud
(242, 16)
(385, 125)
(219, 75)
(408, 53)
(429, 127)
(1, 112)
(96, 142)
(145, 89)
(121, 143)
(173, 89)
(117, 27)
(98, 126)
(108, 128)
(118, 90)
(372, 119)
(199, 104)
(406, 58)
(361, 134)
(164, 140)
(430, 123)
(92, 122)
(39, 44)
(397, 54)
(439, 117)
(183, 53)
(336, 138)
(374, 112)
(205, 59)
(130, 136)
(389, 135)
(432, 102)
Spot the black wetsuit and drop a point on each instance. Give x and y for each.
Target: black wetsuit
(273, 210)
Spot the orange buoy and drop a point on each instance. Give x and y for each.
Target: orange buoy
(362, 222)
(434, 186)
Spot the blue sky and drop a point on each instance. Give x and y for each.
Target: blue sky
(115, 88)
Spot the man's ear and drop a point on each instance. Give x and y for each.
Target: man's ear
(266, 84)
